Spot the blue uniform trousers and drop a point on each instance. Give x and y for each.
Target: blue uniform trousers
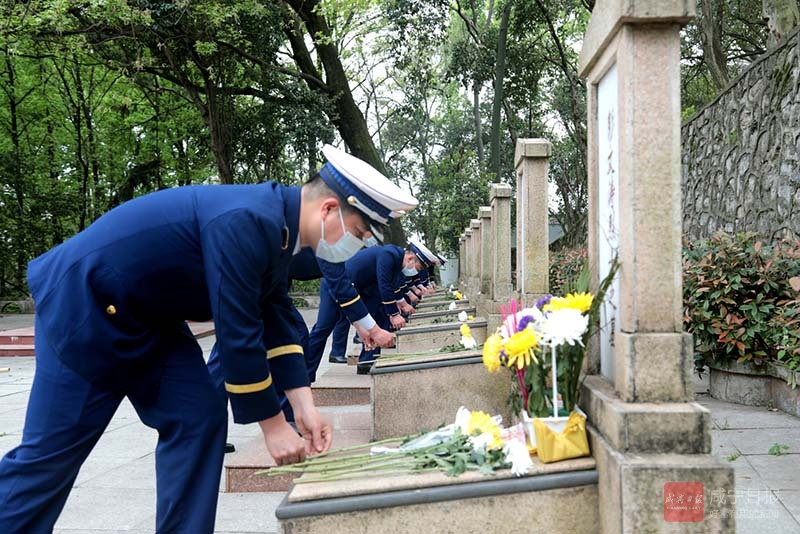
(67, 415)
(328, 316)
(374, 306)
(340, 334)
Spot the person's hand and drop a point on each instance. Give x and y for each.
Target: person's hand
(283, 443)
(380, 337)
(316, 429)
(412, 297)
(405, 307)
(397, 321)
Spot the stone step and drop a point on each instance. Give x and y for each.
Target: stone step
(341, 386)
(556, 497)
(17, 350)
(17, 336)
(20, 341)
(351, 426)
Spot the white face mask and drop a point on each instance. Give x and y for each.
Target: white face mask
(371, 241)
(410, 271)
(341, 251)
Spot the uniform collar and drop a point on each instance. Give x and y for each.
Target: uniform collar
(291, 214)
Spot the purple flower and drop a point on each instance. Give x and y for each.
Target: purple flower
(543, 301)
(524, 322)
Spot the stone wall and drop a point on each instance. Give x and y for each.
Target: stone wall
(741, 153)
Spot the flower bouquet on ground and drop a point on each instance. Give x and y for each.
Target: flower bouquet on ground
(544, 348)
(476, 441)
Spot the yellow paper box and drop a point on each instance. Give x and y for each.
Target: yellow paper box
(552, 446)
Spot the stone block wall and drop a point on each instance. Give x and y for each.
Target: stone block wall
(741, 153)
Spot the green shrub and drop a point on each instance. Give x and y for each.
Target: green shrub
(565, 266)
(742, 300)
(305, 287)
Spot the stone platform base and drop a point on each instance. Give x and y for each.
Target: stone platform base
(560, 497)
(351, 426)
(436, 336)
(423, 393)
(743, 385)
(438, 316)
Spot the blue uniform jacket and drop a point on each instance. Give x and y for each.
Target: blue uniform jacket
(110, 297)
(378, 271)
(306, 266)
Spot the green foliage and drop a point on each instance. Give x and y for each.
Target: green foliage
(742, 300)
(778, 449)
(733, 456)
(306, 287)
(299, 302)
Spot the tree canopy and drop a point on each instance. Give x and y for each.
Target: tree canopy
(102, 101)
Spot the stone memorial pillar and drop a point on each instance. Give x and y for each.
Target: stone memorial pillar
(485, 216)
(648, 437)
(500, 252)
(531, 160)
(467, 260)
(462, 259)
(475, 258)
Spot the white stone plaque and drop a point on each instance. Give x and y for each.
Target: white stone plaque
(608, 211)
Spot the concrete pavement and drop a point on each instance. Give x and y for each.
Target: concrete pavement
(115, 490)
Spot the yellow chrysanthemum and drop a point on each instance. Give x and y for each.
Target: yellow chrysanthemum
(577, 301)
(465, 331)
(482, 423)
(491, 352)
(458, 295)
(519, 348)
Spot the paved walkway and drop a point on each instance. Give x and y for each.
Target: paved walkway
(115, 490)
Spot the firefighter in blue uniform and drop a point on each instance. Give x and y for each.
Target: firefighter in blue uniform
(306, 266)
(422, 284)
(111, 306)
(378, 274)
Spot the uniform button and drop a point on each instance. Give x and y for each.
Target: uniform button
(111, 310)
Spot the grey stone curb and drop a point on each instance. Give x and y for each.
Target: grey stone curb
(357, 503)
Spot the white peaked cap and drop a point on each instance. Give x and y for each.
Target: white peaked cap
(364, 187)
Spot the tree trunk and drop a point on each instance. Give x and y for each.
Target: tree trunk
(497, 103)
(346, 116)
(711, 24)
(476, 110)
(16, 175)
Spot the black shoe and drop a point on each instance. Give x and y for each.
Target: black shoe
(363, 368)
(337, 359)
(229, 448)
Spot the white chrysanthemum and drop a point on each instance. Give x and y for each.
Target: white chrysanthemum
(469, 342)
(462, 316)
(462, 419)
(566, 325)
(518, 456)
(452, 306)
(482, 441)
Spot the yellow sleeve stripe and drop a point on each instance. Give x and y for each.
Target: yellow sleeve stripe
(350, 302)
(283, 350)
(399, 290)
(249, 388)
(388, 302)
